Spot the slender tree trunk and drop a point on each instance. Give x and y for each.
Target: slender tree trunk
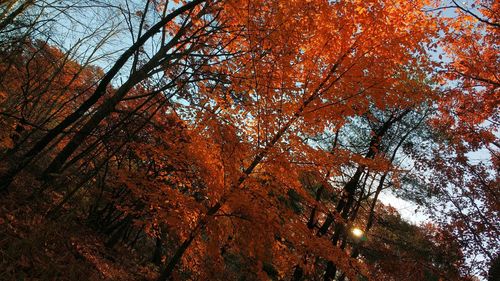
(169, 268)
(298, 271)
(157, 252)
(331, 270)
(298, 274)
(346, 202)
(104, 110)
(120, 232)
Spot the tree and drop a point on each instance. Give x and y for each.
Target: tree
(275, 124)
(184, 46)
(246, 138)
(462, 188)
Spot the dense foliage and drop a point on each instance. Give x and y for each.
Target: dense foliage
(249, 139)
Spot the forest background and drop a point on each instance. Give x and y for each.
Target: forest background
(249, 140)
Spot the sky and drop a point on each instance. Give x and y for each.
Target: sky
(408, 210)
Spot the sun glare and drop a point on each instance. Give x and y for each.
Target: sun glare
(357, 232)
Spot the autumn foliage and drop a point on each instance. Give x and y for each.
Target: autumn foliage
(246, 140)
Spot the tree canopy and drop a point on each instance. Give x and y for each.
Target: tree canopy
(249, 139)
